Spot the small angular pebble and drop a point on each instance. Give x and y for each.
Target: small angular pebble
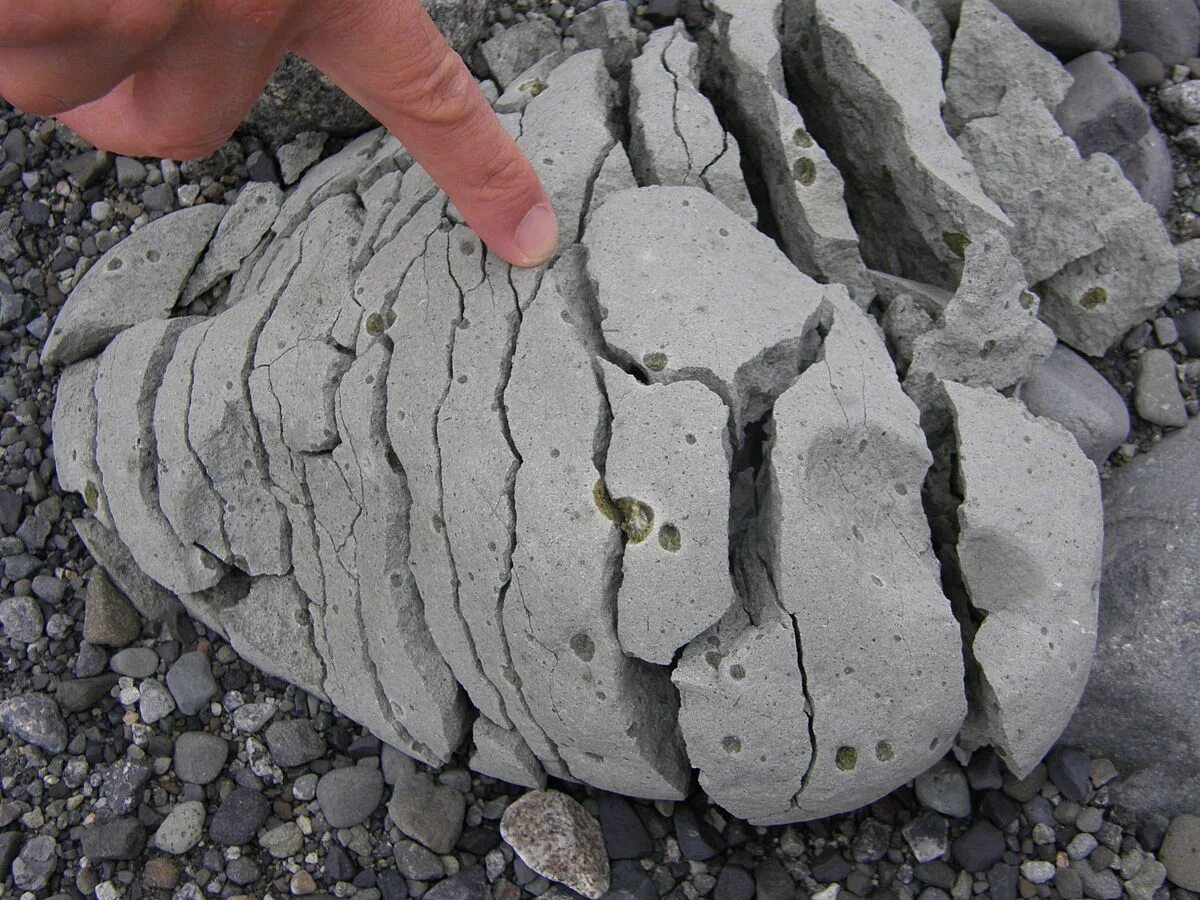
(199, 757)
(182, 829)
(294, 742)
(108, 618)
(558, 838)
(123, 838)
(283, 840)
(979, 847)
(155, 702)
(251, 717)
(624, 834)
(417, 863)
(429, 813)
(697, 839)
(349, 796)
(22, 619)
(35, 718)
(296, 156)
(927, 837)
(734, 883)
(36, 862)
(78, 694)
(191, 682)
(1037, 871)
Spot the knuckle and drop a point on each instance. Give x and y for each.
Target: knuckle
(435, 90)
(504, 174)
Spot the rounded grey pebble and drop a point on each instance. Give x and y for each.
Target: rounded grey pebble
(199, 757)
(349, 796)
(22, 619)
(1144, 69)
(238, 818)
(191, 682)
(294, 742)
(136, 662)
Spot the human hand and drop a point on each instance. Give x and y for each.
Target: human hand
(174, 78)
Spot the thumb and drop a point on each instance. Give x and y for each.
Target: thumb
(389, 56)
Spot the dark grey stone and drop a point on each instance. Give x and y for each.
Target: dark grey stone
(294, 742)
(199, 756)
(123, 784)
(123, 838)
(624, 834)
(772, 881)
(191, 683)
(1143, 69)
(238, 817)
(630, 882)
(733, 883)
(1170, 29)
(1002, 881)
(697, 839)
(1070, 770)
(78, 694)
(979, 847)
(391, 885)
(417, 863)
(10, 845)
(469, 884)
(11, 504)
(91, 660)
(1102, 111)
(872, 841)
(349, 796)
(338, 866)
(830, 866)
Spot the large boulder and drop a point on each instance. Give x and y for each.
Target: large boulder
(656, 508)
(1140, 708)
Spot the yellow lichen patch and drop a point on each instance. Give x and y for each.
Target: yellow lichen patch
(374, 324)
(533, 87)
(804, 170)
(1094, 297)
(655, 361)
(632, 516)
(957, 242)
(846, 758)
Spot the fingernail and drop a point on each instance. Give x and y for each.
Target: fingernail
(537, 235)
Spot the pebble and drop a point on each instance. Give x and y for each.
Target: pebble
(927, 836)
(1165, 331)
(21, 619)
(130, 172)
(1081, 846)
(155, 702)
(1156, 395)
(35, 719)
(417, 863)
(108, 618)
(980, 847)
(1180, 852)
(624, 834)
(294, 742)
(1142, 68)
(943, 788)
(134, 662)
(1038, 871)
(251, 717)
(305, 787)
(349, 796)
(239, 816)
(283, 840)
(199, 757)
(78, 694)
(36, 862)
(122, 838)
(181, 829)
(427, 812)
(161, 874)
(1182, 100)
(302, 884)
(191, 682)
(559, 839)
(697, 839)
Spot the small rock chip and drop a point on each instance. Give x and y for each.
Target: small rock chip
(349, 796)
(294, 742)
(136, 662)
(943, 788)
(558, 838)
(1156, 396)
(250, 718)
(35, 718)
(1180, 852)
(181, 829)
(155, 702)
(427, 812)
(199, 757)
(926, 836)
(1038, 871)
(123, 838)
(283, 840)
(239, 816)
(22, 619)
(191, 682)
(302, 883)
(108, 618)
(36, 862)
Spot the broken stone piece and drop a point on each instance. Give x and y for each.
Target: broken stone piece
(558, 838)
(1029, 551)
(140, 278)
(74, 428)
(241, 228)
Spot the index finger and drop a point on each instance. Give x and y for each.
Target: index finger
(389, 56)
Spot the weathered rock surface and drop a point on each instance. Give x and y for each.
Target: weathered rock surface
(653, 508)
(1029, 553)
(558, 838)
(241, 228)
(1137, 710)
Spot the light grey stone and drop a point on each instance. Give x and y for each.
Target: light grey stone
(530, 83)
(348, 796)
(21, 618)
(141, 278)
(1182, 100)
(241, 228)
(1170, 29)
(675, 136)
(916, 191)
(1067, 28)
(1029, 551)
(298, 154)
(182, 829)
(1102, 112)
(36, 863)
(283, 840)
(191, 682)
(1156, 396)
(155, 701)
(1068, 390)
(606, 27)
(127, 380)
(35, 719)
(518, 47)
(806, 189)
(559, 839)
(199, 756)
(1188, 255)
(74, 427)
(669, 450)
(270, 628)
(135, 662)
(846, 444)
(502, 753)
(566, 654)
(990, 54)
(989, 334)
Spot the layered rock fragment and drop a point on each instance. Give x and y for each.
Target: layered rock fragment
(675, 136)
(1029, 551)
(871, 81)
(241, 228)
(74, 427)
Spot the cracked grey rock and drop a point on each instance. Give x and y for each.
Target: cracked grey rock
(401, 455)
(1029, 551)
(242, 227)
(531, 82)
(299, 154)
(880, 84)
(989, 334)
(1102, 255)
(606, 27)
(675, 136)
(140, 278)
(74, 425)
(518, 47)
(806, 189)
(990, 54)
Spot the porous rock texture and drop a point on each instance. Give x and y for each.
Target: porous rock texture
(664, 505)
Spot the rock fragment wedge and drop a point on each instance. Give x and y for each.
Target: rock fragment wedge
(74, 428)
(1029, 548)
(141, 278)
(847, 528)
